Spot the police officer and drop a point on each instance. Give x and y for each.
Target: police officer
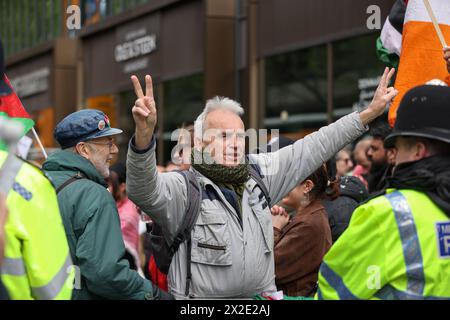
(37, 263)
(398, 243)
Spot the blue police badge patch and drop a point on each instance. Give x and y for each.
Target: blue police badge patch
(24, 193)
(443, 237)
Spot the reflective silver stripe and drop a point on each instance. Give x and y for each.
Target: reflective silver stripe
(52, 289)
(8, 172)
(335, 281)
(390, 293)
(410, 243)
(13, 267)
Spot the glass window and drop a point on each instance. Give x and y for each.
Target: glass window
(356, 72)
(126, 121)
(25, 24)
(183, 102)
(296, 90)
(94, 10)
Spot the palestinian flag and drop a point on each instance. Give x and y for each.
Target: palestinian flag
(421, 56)
(389, 44)
(12, 108)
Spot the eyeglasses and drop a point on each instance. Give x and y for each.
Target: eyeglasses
(110, 144)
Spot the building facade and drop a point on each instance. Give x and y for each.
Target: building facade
(295, 65)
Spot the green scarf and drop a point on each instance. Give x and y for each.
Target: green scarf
(232, 178)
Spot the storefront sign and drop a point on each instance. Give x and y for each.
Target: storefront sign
(31, 83)
(138, 43)
(134, 66)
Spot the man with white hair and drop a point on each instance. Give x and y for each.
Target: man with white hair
(231, 247)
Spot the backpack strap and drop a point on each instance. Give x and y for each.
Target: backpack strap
(188, 267)
(69, 181)
(255, 173)
(184, 233)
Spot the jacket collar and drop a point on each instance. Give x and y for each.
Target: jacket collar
(64, 160)
(249, 184)
(313, 207)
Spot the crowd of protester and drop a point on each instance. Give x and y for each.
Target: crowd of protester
(307, 217)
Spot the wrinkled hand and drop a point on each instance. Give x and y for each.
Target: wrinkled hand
(447, 57)
(280, 217)
(383, 95)
(144, 112)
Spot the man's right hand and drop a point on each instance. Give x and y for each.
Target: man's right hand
(144, 112)
(447, 57)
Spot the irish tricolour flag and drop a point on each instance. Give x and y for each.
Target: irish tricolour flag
(421, 52)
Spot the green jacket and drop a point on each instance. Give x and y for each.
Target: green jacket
(92, 226)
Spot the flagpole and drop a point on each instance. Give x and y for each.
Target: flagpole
(40, 143)
(435, 23)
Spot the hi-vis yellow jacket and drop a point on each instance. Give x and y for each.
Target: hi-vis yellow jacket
(37, 263)
(397, 246)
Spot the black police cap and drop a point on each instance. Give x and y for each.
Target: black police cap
(423, 112)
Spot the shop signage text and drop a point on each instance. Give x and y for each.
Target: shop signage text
(138, 47)
(31, 83)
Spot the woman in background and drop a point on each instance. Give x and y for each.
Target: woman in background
(302, 241)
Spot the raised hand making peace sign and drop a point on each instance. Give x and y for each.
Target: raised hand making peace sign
(144, 112)
(383, 95)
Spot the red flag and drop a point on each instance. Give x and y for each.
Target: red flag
(12, 107)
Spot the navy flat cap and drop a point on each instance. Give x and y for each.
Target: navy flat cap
(82, 126)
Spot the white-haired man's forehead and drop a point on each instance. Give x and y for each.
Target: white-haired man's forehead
(223, 131)
(224, 119)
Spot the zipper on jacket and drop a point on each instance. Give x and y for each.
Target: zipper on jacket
(210, 246)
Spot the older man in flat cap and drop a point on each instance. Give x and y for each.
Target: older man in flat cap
(89, 212)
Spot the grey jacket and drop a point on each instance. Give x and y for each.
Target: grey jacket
(230, 259)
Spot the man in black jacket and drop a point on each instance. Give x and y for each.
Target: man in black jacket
(351, 193)
(379, 156)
